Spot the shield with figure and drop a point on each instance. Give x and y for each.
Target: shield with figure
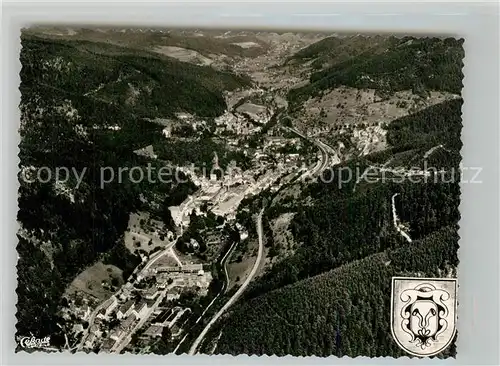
(423, 314)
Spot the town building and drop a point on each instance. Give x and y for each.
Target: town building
(173, 296)
(108, 306)
(167, 131)
(108, 344)
(192, 268)
(112, 305)
(116, 334)
(89, 342)
(128, 323)
(125, 309)
(101, 313)
(151, 293)
(186, 268)
(147, 152)
(84, 313)
(153, 331)
(140, 310)
(194, 243)
(160, 269)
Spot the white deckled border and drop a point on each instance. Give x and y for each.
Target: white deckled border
(479, 249)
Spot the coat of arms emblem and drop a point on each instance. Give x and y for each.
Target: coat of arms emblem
(423, 314)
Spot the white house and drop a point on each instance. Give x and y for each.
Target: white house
(141, 310)
(108, 307)
(173, 296)
(113, 303)
(167, 131)
(151, 293)
(125, 309)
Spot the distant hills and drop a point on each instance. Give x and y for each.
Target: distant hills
(386, 64)
(333, 50)
(213, 42)
(150, 85)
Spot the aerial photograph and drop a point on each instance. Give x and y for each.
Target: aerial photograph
(259, 192)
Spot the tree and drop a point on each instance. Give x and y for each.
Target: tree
(166, 334)
(166, 215)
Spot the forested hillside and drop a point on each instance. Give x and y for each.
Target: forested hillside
(333, 50)
(149, 84)
(336, 225)
(439, 124)
(140, 40)
(343, 312)
(419, 64)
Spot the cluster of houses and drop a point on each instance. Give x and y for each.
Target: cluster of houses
(123, 313)
(129, 313)
(130, 308)
(124, 310)
(167, 318)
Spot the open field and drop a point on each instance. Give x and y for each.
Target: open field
(144, 233)
(97, 281)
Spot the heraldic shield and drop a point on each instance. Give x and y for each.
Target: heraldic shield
(423, 314)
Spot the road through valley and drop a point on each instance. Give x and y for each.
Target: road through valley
(233, 299)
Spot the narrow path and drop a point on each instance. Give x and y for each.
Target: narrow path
(397, 223)
(223, 262)
(202, 335)
(432, 150)
(172, 253)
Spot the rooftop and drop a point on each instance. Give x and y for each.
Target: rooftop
(128, 322)
(154, 330)
(108, 344)
(125, 307)
(141, 305)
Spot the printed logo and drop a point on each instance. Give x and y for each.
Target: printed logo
(423, 314)
(32, 342)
